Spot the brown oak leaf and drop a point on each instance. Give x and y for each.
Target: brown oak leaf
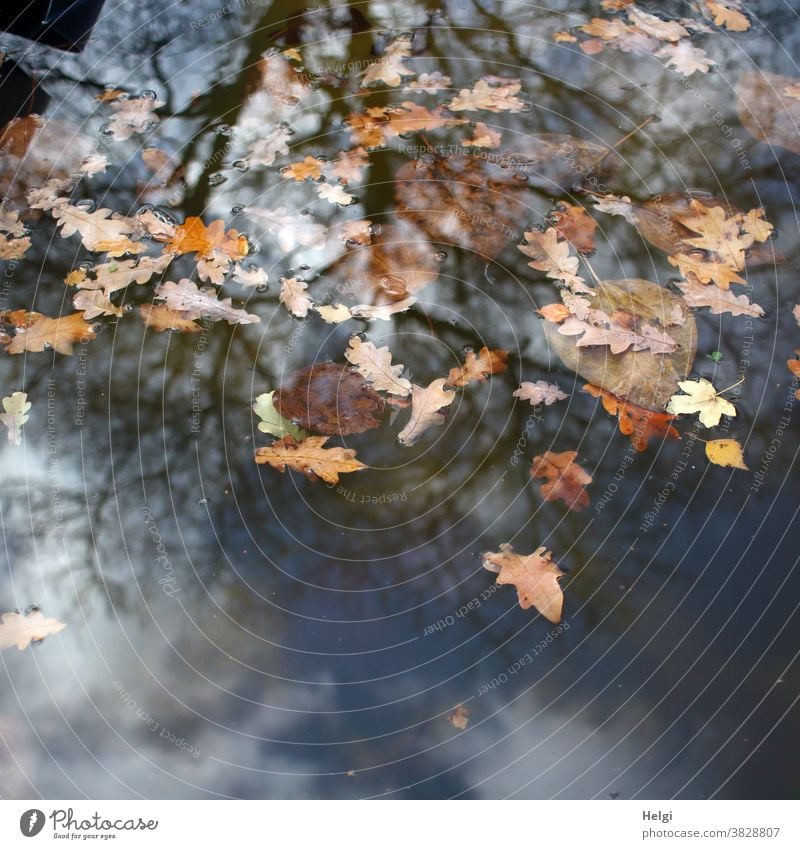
(639, 424)
(478, 367)
(566, 480)
(534, 575)
(310, 457)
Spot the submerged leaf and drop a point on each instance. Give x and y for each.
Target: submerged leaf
(566, 480)
(642, 377)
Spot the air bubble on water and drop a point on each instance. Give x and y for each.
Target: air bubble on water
(149, 94)
(467, 349)
(86, 266)
(252, 245)
(238, 209)
(203, 501)
(440, 256)
(262, 287)
(305, 212)
(147, 207)
(241, 165)
(216, 179)
(652, 117)
(289, 100)
(271, 51)
(86, 204)
(453, 323)
(521, 177)
(305, 267)
(106, 130)
(409, 36)
(121, 98)
(223, 130)
(375, 229)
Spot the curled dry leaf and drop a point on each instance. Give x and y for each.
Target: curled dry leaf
(426, 404)
(20, 630)
(635, 422)
(37, 332)
(15, 414)
(478, 367)
(331, 399)
(540, 392)
(375, 366)
(310, 457)
(642, 377)
(566, 480)
(702, 398)
(726, 452)
(160, 317)
(534, 575)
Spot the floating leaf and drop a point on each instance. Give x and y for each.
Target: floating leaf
(16, 408)
(635, 422)
(478, 367)
(534, 575)
(726, 452)
(702, 398)
(310, 457)
(272, 421)
(642, 377)
(426, 404)
(540, 392)
(375, 365)
(20, 630)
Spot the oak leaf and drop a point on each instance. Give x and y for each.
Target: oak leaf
(426, 404)
(160, 317)
(459, 718)
(566, 480)
(20, 630)
(719, 300)
(15, 415)
(100, 229)
(390, 68)
(309, 168)
(375, 365)
(310, 457)
(193, 236)
(132, 115)
(37, 332)
(293, 296)
(540, 392)
(478, 367)
(639, 424)
(496, 94)
(534, 575)
(193, 302)
(574, 224)
(727, 14)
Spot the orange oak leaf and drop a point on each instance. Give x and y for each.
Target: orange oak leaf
(566, 480)
(194, 237)
(554, 312)
(37, 332)
(794, 367)
(639, 424)
(478, 367)
(310, 457)
(534, 575)
(160, 317)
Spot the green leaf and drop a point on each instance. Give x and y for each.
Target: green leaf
(272, 421)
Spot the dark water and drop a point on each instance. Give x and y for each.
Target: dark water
(283, 645)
